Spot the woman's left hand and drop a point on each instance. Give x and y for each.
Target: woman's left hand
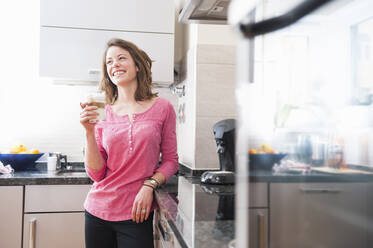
(142, 204)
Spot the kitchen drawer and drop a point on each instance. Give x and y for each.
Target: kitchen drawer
(55, 198)
(258, 195)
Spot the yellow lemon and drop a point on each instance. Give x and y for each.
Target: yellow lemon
(265, 148)
(18, 148)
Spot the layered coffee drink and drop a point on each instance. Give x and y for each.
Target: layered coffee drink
(97, 99)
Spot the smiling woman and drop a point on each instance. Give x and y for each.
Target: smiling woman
(122, 152)
(128, 62)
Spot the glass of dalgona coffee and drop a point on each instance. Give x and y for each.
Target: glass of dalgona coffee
(97, 99)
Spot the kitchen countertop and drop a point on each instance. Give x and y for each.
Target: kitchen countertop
(203, 215)
(76, 175)
(313, 176)
(34, 178)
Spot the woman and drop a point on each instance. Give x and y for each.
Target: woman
(122, 152)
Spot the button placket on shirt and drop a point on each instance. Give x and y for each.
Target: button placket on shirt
(131, 133)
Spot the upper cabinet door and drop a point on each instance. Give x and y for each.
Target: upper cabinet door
(116, 15)
(76, 54)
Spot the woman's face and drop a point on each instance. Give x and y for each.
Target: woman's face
(120, 66)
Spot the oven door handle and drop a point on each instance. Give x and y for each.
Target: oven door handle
(251, 30)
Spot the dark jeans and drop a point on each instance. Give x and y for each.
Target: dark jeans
(118, 234)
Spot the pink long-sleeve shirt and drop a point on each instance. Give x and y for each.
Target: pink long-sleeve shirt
(130, 151)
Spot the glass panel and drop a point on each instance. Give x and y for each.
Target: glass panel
(309, 134)
(362, 44)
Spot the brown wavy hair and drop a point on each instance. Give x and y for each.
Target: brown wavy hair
(144, 74)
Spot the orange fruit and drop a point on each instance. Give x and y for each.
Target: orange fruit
(33, 151)
(252, 151)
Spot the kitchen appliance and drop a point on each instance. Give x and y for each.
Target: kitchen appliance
(225, 209)
(205, 11)
(224, 133)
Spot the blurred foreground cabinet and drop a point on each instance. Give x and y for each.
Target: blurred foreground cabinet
(54, 216)
(11, 216)
(333, 215)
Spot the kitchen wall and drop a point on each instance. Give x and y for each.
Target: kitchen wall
(210, 97)
(46, 116)
(34, 111)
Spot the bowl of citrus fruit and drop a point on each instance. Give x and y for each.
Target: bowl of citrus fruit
(264, 157)
(20, 158)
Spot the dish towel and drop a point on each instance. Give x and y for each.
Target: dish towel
(7, 169)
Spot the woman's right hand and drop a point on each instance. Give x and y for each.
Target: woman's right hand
(88, 116)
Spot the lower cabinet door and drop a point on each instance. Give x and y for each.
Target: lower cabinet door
(325, 215)
(258, 228)
(57, 230)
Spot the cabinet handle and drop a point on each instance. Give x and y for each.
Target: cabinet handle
(32, 226)
(94, 71)
(319, 190)
(261, 233)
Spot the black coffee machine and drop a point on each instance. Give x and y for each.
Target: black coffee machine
(224, 132)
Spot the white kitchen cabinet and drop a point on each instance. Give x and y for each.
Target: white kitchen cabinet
(73, 35)
(57, 230)
(54, 216)
(123, 15)
(55, 198)
(11, 216)
(75, 54)
(318, 215)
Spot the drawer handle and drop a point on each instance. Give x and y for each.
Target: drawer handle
(261, 233)
(319, 190)
(32, 226)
